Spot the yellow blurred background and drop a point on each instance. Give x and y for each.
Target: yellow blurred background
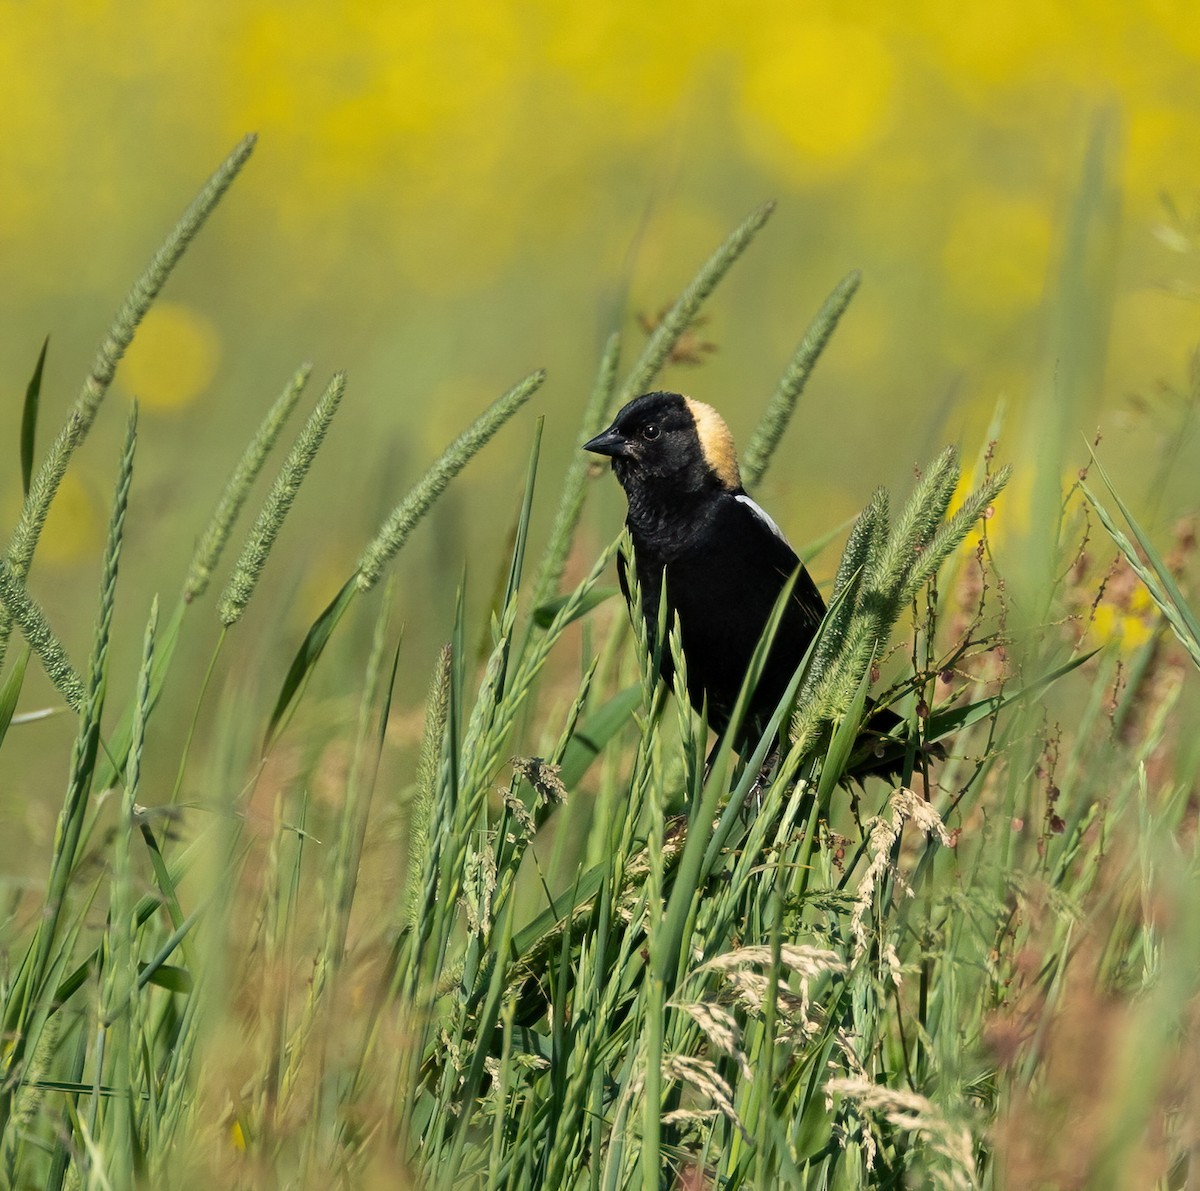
(445, 197)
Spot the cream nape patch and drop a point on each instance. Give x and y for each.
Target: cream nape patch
(716, 442)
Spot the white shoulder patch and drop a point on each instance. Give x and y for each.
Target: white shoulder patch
(762, 515)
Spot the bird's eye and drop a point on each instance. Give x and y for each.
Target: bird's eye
(650, 433)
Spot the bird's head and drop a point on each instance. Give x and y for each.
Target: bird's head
(668, 439)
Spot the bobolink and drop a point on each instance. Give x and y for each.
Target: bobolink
(724, 560)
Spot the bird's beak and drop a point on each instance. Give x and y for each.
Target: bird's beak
(611, 442)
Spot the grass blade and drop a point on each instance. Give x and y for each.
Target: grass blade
(10, 692)
(307, 657)
(29, 417)
(1159, 581)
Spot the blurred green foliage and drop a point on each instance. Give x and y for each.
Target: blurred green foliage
(446, 198)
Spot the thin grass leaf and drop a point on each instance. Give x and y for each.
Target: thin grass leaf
(27, 615)
(40, 713)
(79, 1089)
(166, 976)
(10, 692)
(812, 550)
(687, 305)
(147, 906)
(45, 482)
(307, 657)
(29, 417)
(1162, 586)
(596, 731)
(278, 503)
(346, 856)
(778, 414)
(395, 530)
(1176, 614)
(216, 535)
(544, 615)
(841, 744)
(950, 721)
(517, 566)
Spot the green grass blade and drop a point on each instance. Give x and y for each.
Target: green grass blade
(545, 614)
(307, 657)
(596, 731)
(1159, 581)
(147, 906)
(517, 564)
(952, 720)
(10, 692)
(29, 417)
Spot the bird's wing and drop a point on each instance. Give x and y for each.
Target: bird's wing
(763, 516)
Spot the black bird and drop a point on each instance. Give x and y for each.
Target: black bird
(724, 560)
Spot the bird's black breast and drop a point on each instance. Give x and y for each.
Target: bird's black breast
(722, 585)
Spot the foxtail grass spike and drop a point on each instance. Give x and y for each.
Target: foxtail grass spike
(31, 620)
(120, 977)
(404, 518)
(141, 713)
(918, 522)
(278, 503)
(687, 305)
(112, 558)
(570, 505)
(783, 404)
(885, 571)
(45, 483)
(216, 536)
(864, 544)
(429, 762)
(953, 532)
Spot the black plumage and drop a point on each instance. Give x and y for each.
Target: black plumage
(723, 559)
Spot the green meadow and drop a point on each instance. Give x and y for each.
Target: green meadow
(333, 916)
